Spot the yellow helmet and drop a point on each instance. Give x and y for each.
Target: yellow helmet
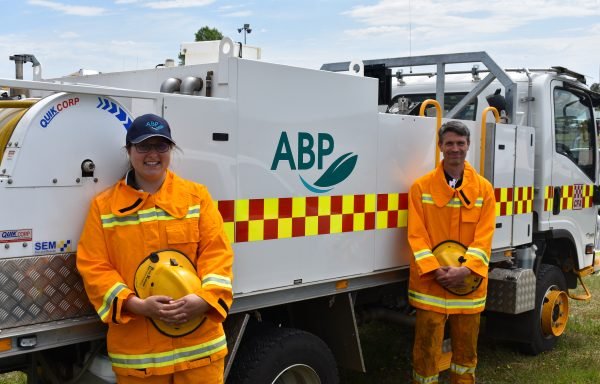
(169, 273)
(452, 254)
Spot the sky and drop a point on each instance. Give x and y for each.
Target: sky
(119, 35)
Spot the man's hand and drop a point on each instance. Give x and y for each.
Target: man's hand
(451, 277)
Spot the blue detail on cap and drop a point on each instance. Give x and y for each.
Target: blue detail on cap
(155, 125)
(116, 110)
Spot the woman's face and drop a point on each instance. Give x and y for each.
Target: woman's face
(149, 163)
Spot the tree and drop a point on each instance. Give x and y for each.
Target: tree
(205, 33)
(208, 34)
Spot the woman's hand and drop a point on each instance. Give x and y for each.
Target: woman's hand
(185, 309)
(149, 307)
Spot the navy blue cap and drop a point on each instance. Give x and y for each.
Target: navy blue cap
(147, 126)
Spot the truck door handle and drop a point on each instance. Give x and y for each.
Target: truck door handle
(596, 199)
(556, 200)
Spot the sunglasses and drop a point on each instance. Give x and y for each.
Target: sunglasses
(161, 147)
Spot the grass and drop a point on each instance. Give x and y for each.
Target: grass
(387, 351)
(13, 378)
(575, 360)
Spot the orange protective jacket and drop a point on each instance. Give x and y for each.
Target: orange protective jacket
(124, 226)
(437, 213)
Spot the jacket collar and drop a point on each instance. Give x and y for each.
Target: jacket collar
(171, 197)
(468, 192)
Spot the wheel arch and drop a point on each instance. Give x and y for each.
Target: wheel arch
(330, 318)
(558, 248)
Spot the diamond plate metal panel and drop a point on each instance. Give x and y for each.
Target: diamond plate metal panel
(40, 289)
(511, 290)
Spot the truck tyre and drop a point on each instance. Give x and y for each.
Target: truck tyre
(283, 356)
(549, 317)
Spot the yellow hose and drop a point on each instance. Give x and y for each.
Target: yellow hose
(11, 119)
(17, 103)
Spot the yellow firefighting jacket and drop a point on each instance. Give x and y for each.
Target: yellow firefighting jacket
(437, 213)
(124, 226)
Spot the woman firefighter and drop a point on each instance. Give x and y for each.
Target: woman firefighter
(157, 266)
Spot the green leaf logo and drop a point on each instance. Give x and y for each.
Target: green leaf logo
(338, 171)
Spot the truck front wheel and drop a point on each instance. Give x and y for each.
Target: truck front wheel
(549, 318)
(283, 356)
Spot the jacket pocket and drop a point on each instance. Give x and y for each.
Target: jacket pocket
(181, 233)
(471, 215)
(185, 237)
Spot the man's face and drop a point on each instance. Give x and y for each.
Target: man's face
(454, 147)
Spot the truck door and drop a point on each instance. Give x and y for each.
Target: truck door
(574, 168)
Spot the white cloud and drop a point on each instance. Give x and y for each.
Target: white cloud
(444, 18)
(60, 57)
(69, 35)
(77, 10)
(169, 4)
(126, 1)
(366, 33)
(595, 29)
(239, 14)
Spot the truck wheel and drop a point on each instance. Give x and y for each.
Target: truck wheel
(549, 318)
(283, 356)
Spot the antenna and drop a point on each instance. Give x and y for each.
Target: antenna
(409, 34)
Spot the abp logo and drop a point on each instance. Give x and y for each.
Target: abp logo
(310, 152)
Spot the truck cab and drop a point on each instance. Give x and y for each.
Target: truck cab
(541, 155)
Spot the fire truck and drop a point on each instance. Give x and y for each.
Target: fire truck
(310, 170)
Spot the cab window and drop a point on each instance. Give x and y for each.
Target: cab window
(450, 100)
(574, 129)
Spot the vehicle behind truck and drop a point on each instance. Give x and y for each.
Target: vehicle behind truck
(312, 181)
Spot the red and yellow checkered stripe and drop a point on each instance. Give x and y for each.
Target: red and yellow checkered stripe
(573, 197)
(280, 218)
(287, 217)
(514, 201)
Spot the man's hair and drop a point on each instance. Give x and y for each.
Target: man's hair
(456, 127)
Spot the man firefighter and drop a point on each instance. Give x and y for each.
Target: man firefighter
(450, 208)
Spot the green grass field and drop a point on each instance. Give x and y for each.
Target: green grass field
(575, 360)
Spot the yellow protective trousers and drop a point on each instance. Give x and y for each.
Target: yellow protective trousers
(208, 374)
(427, 350)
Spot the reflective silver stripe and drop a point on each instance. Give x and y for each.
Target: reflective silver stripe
(479, 202)
(479, 253)
(441, 302)
(454, 203)
(423, 253)
(461, 370)
(425, 380)
(218, 280)
(108, 298)
(426, 198)
(144, 216)
(193, 211)
(163, 359)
